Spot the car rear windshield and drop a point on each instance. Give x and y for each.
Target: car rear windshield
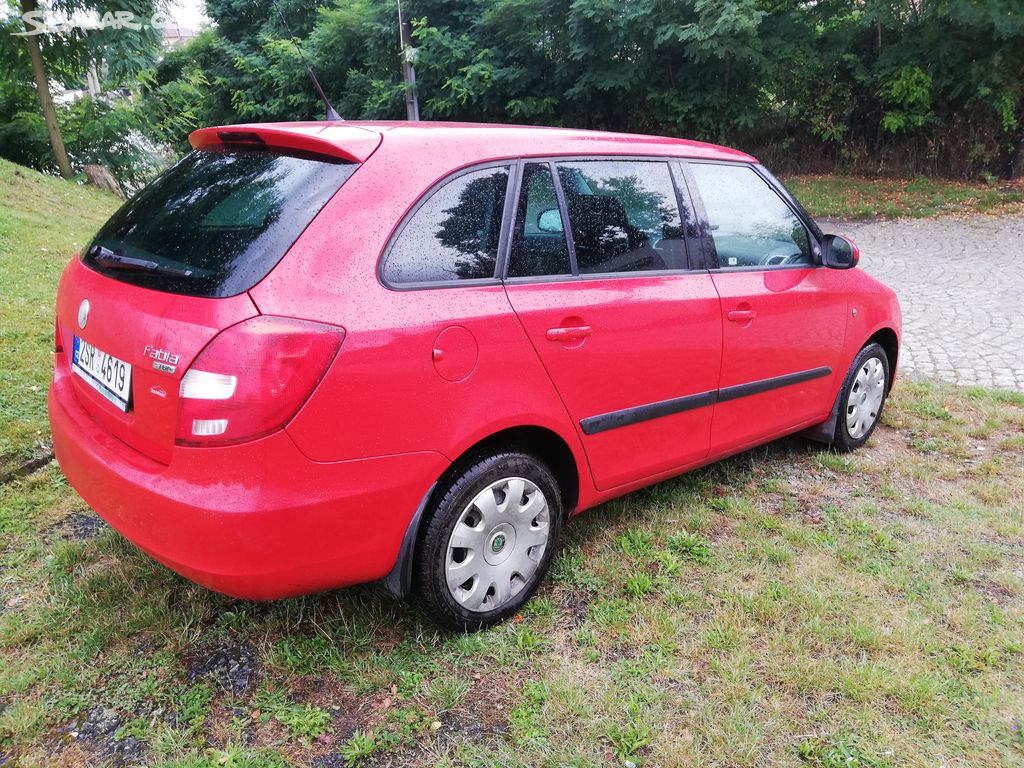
(217, 222)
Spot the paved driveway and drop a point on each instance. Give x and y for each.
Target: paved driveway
(961, 286)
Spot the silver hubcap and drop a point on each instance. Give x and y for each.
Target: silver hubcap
(497, 544)
(866, 397)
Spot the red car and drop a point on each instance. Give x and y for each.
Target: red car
(317, 354)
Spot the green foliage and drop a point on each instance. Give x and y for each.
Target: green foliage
(109, 133)
(304, 722)
(360, 746)
(844, 82)
(840, 79)
(108, 130)
(908, 94)
(840, 753)
(690, 546)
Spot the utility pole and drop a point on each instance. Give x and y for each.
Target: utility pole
(412, 105)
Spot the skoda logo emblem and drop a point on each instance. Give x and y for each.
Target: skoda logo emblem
(83, 313)
(499, 543)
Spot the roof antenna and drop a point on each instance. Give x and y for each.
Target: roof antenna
(331, 113)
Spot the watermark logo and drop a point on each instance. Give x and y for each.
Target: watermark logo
(36, 23)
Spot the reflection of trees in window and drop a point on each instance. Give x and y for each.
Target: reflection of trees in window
(228, 215)
(169, 216)
(646, 209)
(472, 226)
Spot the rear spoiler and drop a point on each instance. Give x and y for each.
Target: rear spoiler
(346, 142)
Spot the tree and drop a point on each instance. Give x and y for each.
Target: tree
(43, 91)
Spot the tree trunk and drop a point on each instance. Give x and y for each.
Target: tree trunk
(1017, 168)
(43, 90)
(103, 179)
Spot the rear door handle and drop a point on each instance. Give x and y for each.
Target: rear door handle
(742, 315)
(569, 334)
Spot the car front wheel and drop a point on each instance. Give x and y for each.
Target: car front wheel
(489, 540)
(862, 398)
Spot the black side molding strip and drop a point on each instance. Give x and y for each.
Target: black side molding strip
(615, 419)
(636, 414)
(766, 385)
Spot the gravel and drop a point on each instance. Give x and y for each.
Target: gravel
(82, 525)
(229, 664)
(99, 728)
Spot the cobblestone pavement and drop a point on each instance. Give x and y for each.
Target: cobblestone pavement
(961, 287)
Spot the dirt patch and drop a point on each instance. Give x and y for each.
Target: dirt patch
(574, 605)
(348, 712)
(997, 593)
(483, 711)
(34, 464)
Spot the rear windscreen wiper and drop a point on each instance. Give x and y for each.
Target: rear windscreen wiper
(113, 260)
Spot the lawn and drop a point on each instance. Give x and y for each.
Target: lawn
(42, 221)
(856, 197)
(786, 607)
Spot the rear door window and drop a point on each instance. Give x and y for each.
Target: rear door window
(623, 214)
(454, 234)
(217, 222)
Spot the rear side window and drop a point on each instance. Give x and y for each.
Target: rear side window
(539, 246)
(454, 234)
(217, 222)
(750, 225)
(623, 215)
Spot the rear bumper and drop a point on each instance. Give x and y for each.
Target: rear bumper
(257, 520)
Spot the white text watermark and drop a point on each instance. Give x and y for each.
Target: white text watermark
(36, 23)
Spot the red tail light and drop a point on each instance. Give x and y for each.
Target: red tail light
(58, 345)
(252, 378)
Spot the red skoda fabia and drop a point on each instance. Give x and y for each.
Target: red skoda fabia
(317, 354)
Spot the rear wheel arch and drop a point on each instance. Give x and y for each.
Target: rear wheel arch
(546, 444)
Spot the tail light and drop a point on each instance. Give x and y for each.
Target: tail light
(58, 345)
(252, 378)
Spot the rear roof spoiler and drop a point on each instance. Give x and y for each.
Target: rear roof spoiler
(346, 142)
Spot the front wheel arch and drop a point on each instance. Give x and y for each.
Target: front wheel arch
(885, 338)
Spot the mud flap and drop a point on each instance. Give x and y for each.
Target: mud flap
(399, 581)
(826, 431)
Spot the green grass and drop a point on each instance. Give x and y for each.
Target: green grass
(854, 197)
(43, 220)
(786, 607)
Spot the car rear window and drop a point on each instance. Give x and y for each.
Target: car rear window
(217, 222)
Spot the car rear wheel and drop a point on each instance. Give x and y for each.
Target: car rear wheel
(489, 540)
(862, 398)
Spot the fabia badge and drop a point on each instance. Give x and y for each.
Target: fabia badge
(83, 313)
(162, 359)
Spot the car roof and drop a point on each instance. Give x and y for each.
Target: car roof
(356, 140)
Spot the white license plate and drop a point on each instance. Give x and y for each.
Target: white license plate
(109, 376)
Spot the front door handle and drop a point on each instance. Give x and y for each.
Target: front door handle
(742, 315)
(574, 333)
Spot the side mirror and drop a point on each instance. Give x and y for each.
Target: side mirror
(840, 252)
(549, 220)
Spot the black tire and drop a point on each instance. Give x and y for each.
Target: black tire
(451, 501)
(844, 440)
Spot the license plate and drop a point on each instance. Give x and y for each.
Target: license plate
(109, 376)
